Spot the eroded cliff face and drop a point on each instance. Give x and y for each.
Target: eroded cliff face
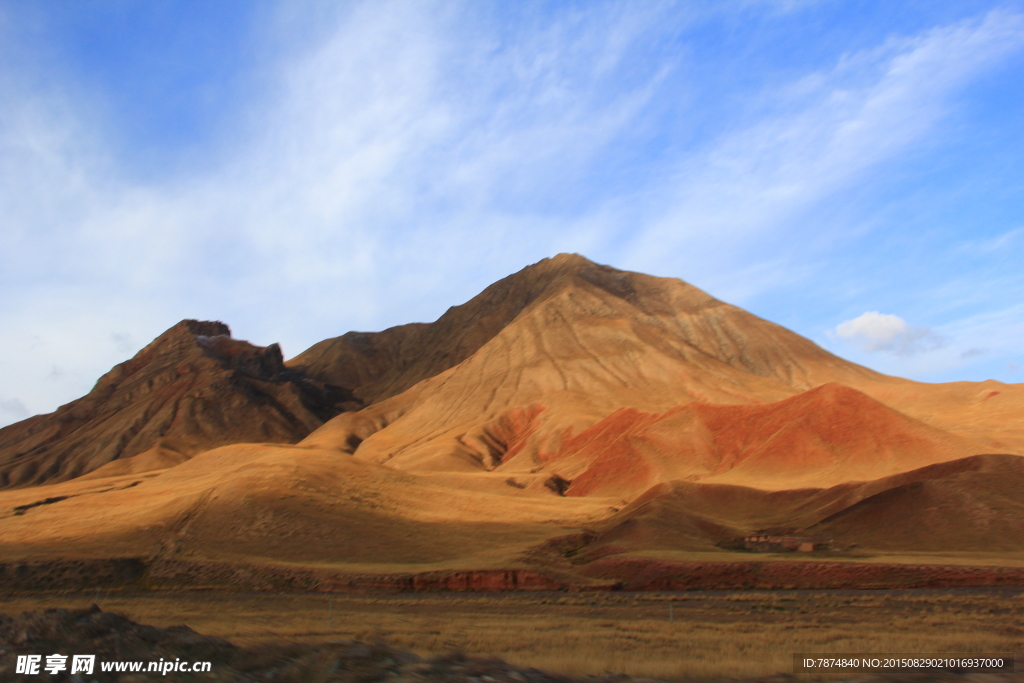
(191, 389)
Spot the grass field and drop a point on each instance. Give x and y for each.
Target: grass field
(670, 635)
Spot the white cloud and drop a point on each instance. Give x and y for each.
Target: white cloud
(409, 154)
(874, 331)
(402, 161)
(811, 139)
(978, 347)
(12, 410)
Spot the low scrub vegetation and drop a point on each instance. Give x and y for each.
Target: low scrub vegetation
(661, 635)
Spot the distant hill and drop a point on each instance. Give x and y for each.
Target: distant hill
(967, 505)
(191, 389)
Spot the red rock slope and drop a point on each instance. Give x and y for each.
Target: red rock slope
(821, 437)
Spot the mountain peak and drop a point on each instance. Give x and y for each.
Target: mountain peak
(376, 366)
(192, 388)
(566, 257)
(205, 328)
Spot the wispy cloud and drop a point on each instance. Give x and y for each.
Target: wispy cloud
(815, 137)
(407, 137)
(781, 6)
(1008, 242)
(999, 331)
(12, 410)
(401, 156)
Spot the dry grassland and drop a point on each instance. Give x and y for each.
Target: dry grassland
(664, 635)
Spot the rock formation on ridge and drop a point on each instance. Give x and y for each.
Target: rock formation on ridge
(192, 388)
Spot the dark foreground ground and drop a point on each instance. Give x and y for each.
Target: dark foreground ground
(659, 635)
(112, 637)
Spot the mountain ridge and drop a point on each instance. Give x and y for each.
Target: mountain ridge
(502, 303)
(190, 389)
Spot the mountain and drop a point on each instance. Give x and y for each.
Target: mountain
(569, 412)
(576, 344)
(569, 289)
(191, 389)
(971, 505)
(289, 506)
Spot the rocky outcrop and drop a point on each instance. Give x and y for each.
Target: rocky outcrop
(192, 388)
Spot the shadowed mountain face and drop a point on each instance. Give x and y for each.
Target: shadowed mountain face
(969, 504)
(191, 389)
(636, 410)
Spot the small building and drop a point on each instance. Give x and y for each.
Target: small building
(768, 543)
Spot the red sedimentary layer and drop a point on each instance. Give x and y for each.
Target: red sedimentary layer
(830, 428)
(614, 461)
(635, 574)
(516, 425)
(135, 573)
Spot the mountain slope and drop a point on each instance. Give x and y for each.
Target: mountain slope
(256, 503)
(821, 437)
(964, 505)
(380, 365)
(286, 503)
(503, 381)
(972, 504)
(571, 342)
(191, 389)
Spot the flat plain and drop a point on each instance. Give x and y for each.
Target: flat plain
(694, 634)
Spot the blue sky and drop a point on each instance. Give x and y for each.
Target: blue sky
(852, 170)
